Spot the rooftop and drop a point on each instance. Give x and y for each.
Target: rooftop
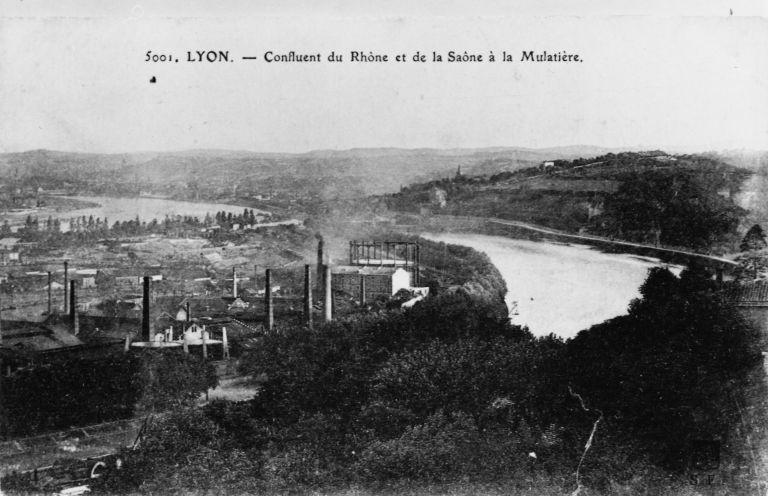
(750, 294)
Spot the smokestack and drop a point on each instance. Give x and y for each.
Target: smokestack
(145, 330)
(417, 268)
(50, 299)
(308, 295)
(203, 334)
(268, 306)
(66, 284)
(73, 308)
(320, 259)
(224, 344)
(328, 307)
(234, 282)
(189, 317)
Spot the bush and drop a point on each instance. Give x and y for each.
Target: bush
(465, 376)
(444, 447)
(667, 373)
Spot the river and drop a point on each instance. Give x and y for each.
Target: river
(123, 209)
(560, 288)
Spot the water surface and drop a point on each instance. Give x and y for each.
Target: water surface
(560, 288)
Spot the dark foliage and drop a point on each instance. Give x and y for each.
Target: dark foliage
(682, 206)
(754, 239)
(666, 371)
(78, 392)
(329, 370)
(449, 391)
(84, 391)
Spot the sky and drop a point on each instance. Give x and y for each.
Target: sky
(73, 75)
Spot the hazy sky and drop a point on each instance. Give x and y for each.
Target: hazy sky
(73, 76)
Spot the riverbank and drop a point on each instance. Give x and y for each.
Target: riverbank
(54, 206)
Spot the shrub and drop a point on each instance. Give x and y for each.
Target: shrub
(444, 447)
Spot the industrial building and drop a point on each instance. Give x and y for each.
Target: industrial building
(367, 283)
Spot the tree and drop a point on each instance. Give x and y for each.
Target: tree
(668, 371)
(754, 239)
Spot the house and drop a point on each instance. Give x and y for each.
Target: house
(238, 304)
(8, 244)
(37, 337)
(55, 286)
(274, 289)
(752, 301)
(10, 257)
(128, 280)
(26, 342)
(378, 281)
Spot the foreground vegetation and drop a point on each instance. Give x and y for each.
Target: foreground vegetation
(75, 392)
(449, 397)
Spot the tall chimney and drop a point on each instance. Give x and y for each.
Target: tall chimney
(204, 335)
(417, 268)
(224, 344)
(320, 260)
(308, 295)
(66, 284)
(328, 307)
(189, 317)
(145, 331)
(50, 299)
(234, 282)
(73, 308)
(268, 305)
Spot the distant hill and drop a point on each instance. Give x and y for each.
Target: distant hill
(650, 197)
(213, 173)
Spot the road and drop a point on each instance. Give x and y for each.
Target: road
(600, 239)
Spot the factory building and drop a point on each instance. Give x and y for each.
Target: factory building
(367, 283)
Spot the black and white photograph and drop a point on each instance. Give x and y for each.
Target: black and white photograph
(357, 248)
